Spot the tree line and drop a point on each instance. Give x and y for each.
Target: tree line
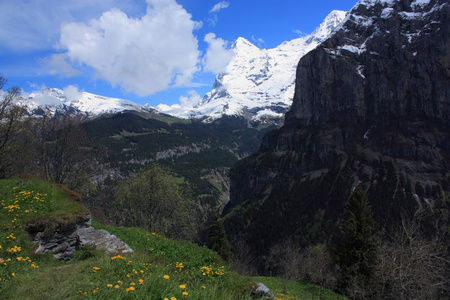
(361, 261)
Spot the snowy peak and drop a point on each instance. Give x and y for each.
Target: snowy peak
(258, 83)
(328, 25)
(242, 43)
(71, 99)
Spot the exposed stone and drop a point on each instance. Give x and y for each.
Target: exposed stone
(102, 239)
(63, 242)
(261, 291)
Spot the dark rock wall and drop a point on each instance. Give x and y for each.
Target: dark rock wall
(371, 107)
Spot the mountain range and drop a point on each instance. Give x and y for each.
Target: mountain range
(258, 85)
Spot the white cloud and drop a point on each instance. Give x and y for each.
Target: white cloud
(219, 6)
(300, 33)
(72, 92)
(58, 64)
(258, 41)
(216, 8)
(190, 101)
(29, 25)
(217, 55)
(141, 55)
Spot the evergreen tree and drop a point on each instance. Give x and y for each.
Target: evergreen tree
(356, 247)
(218, 240)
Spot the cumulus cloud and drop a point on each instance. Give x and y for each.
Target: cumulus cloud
(141, 55)
(219, 6)
(190, 101)
(72, 92)
(217, 55)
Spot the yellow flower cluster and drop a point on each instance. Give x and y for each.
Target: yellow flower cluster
(209, 271)
(118, 257)
(11, 237)
(178, 267)
(13, 208)
(14, 249)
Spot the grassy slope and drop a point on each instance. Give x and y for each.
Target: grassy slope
(160, 268)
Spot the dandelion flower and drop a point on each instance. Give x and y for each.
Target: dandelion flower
(185, 293)
(182, 286)
(130, 289)
(116, 286)
(166, 277)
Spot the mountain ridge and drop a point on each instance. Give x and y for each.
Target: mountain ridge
(259, 83)
(268, 76)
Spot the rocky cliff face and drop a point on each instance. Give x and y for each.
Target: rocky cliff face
(371, 107)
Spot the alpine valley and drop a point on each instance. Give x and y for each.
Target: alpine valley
(324, 161)
(198, 144)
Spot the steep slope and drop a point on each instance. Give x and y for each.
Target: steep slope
(371, 107)
(259, 83)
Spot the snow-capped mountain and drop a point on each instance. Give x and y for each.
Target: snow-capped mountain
(87, 103)
(258, 83)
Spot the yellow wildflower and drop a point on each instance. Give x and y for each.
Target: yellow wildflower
(182, 286)
(166, 277)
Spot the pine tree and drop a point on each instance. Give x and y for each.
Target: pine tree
(218, 240)
(356, 247)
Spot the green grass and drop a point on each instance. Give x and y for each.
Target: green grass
(297, 290)
(159, 268)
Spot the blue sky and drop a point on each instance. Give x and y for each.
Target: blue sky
(147, 51)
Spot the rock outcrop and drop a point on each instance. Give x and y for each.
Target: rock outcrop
(371, 107)
(65, 240)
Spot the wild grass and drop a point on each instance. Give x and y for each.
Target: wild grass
(160, 268)
(297, 290)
